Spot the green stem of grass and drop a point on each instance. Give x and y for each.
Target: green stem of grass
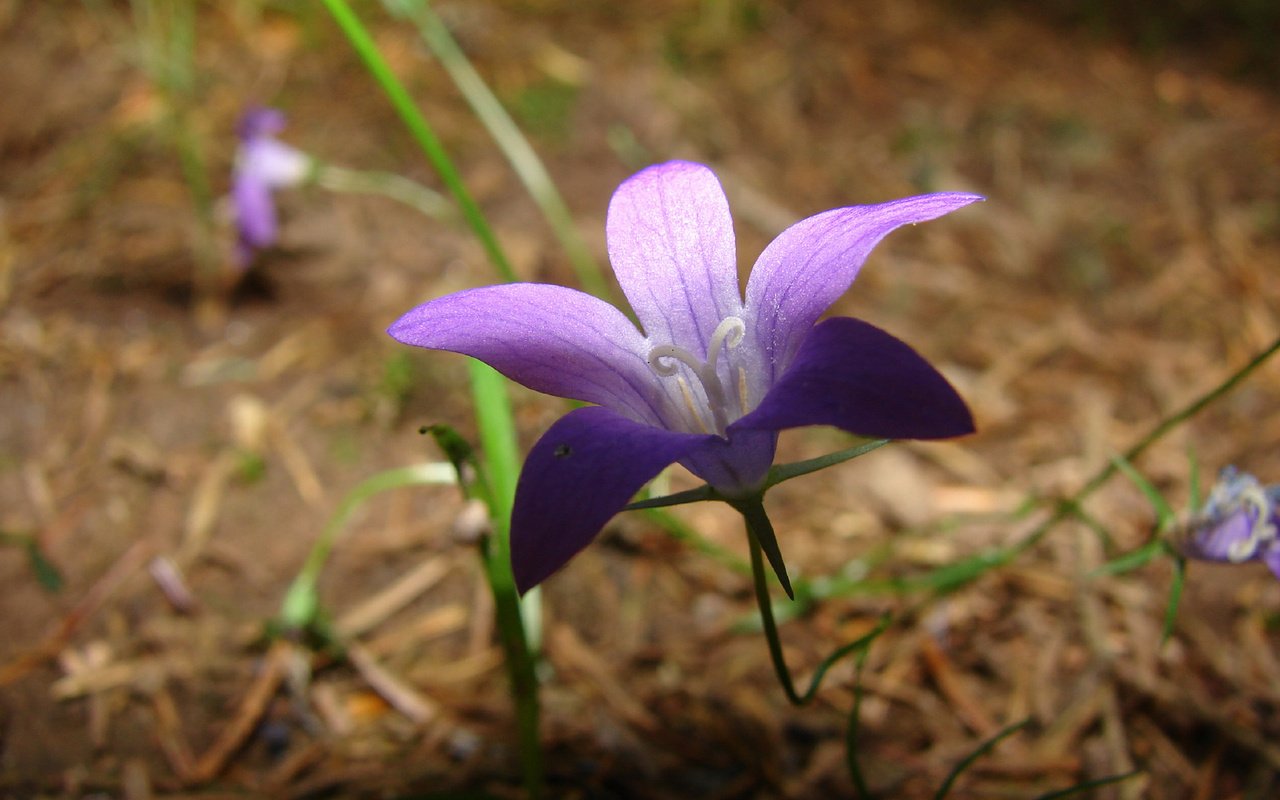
(1068, 507)
(387, 184)
(166, 42)
(493, 413)
(301, 602)
(524, 160)
(420, 130)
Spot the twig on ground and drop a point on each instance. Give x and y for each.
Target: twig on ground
(252, 707)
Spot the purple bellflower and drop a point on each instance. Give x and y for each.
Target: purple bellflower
(263, 164)
(1238, 523)
(712, 378)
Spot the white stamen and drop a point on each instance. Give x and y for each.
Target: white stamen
(666, 359)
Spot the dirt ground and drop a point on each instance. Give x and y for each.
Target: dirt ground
(1124, 263)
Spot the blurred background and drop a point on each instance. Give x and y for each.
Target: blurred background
(175, 431)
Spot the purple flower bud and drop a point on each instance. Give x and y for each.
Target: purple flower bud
(1238, 523)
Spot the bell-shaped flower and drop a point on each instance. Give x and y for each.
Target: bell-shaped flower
(1238, 523)
(713, 377)
(263, 165)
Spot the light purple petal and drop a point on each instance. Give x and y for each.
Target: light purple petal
(802, 272)
(275, 163)
(255, 211)
(1213, 539)
(850, 374)
(671, 244)
(550, 338)
(579, 474)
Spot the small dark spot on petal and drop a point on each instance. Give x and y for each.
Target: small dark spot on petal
(563, 451)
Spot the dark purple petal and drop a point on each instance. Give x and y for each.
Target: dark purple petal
(579, 474)
(550, 338)
(671, 244)
(802, 272)
(258, 122)
(735, 467)
(850, 374)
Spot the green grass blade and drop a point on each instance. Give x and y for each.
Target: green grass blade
(301, 603)
(982, 750)
(855, 716)
(1196, 489)
(1164, 514)
(1087, 786)
(1155, 434)
(1133, 560)
(1175, 597)
(420, 130)
(524, 160)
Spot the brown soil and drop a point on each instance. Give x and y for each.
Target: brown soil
(1124, 263)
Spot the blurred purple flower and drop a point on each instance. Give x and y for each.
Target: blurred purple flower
(713, 377)
(1238, 523)
(263, 164)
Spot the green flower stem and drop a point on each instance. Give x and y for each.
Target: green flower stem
(755, 520)
(386, 184)
(421, 131)
(761, 581)
(506, 133)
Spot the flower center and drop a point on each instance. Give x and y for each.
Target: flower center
(666, 360)
(1262, 531)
